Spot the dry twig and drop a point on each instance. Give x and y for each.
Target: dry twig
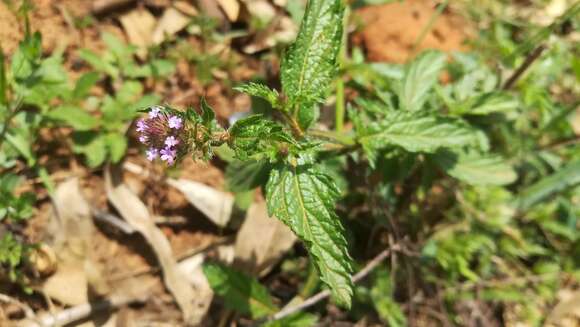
(326, 293)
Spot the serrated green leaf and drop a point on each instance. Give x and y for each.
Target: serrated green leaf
(304, 199)
(255, 135)
(476, 169)
(261, 91)
(565, 178)
(414, 132)
(239, 291)
(84, 84)
(74, 116)
(484, 104)
(419, 78)
(309, 65)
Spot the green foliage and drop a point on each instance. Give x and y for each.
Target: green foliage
(101, 137)
(118, 61)
(382, 297)
(419, 78)
(309, 65)
(246, 295)
(14, 207)
(414, 132)
(239, 292)
(563, 179)
(304, 198)
(12, 255)
(261, 91)
(475, 168)
(255, 137)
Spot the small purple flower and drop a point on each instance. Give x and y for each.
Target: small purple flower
(175, 122)
(141, 126)
(155, 111)
(152, 154)
(143, 139)
(168, 155)
(171, 141)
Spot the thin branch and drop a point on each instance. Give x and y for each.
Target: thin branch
(81, 311)
(535, 54)
(326, 293)
(28, 312)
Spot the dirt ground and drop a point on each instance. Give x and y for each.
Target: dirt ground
(390, 31)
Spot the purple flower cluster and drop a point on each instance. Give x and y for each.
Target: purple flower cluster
(162, 133)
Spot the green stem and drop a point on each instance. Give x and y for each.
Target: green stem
(11, 114)
(429, 25)
(296, 129)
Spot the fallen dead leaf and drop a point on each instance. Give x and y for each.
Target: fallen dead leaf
(135, 212)
(567, 310)
(68, 285)
(281, 30)
(139, 25)
(71, 227)
(261, 9)
(100, 6)
(215, 205)
(231, 8)
(171, 22)
(262, 240)
(186, 8)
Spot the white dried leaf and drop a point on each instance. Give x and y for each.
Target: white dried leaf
(214, 204)
(135, 212)
(231, 8)
(171, 22)
(262, 240)
(139, 25)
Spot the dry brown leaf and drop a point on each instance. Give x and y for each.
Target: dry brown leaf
(68, 285)
(135, 212)
(262, 240)
(186, 8)
(72, 228)
(139, 25)
(71, 224)
(261, 9)
(215, 205)
(231, 8)
(100, 6)
(567, 310)
(282, 30)
(171, 22)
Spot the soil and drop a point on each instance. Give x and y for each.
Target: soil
(390, 31)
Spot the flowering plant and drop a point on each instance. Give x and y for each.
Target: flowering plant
(399, 130)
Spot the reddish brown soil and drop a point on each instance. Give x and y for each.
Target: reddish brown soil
(390, 31)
